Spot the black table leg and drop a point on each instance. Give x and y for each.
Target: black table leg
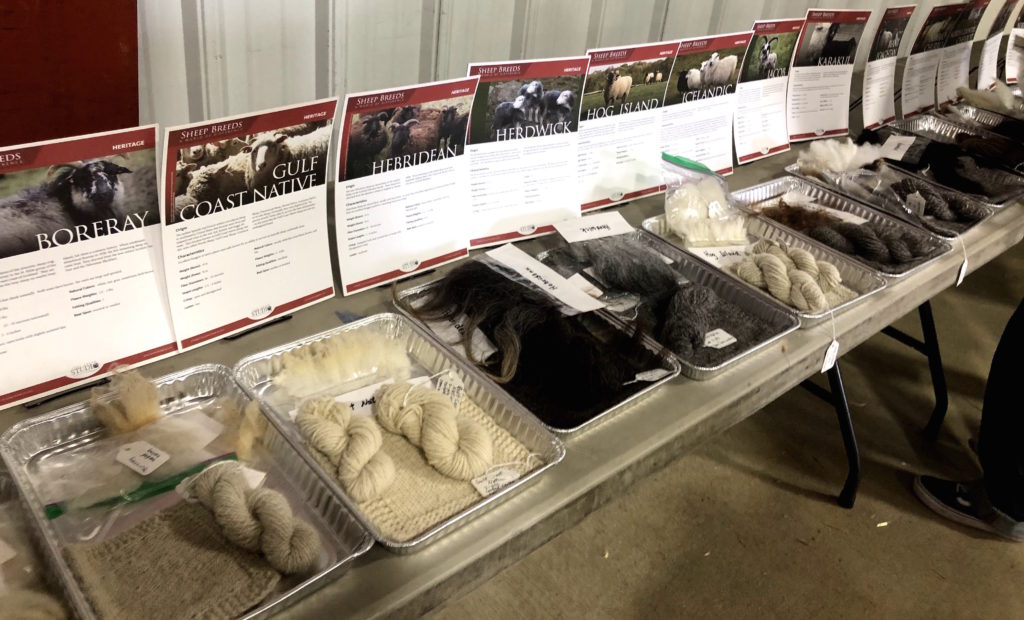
(931, 342)
(836, 395)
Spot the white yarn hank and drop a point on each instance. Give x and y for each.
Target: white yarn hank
(456, 447)
(352, 444)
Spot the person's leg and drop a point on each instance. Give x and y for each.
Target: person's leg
(996, 502)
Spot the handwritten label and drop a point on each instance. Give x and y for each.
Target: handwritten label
(723, 256)
(362, 400)
(718, 339)
(831, 355)
(452, 331)
(141, 457)
(451, 386)
(585, 286)
(253, 477)
(544, 278)
(896, 147)
(495, 479)
(606, 224)
(649, 376)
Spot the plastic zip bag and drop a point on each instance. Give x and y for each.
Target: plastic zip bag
(698, 207)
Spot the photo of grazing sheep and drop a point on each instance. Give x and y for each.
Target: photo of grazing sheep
(397, 137)
(826, 43)
(76, 201)
(704, 74)
(241, 170)
(768, 56)
(619, 89)
(525, 108)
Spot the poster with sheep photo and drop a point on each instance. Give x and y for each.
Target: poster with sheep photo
(620, 123)
(818, 100)
(988, 64)
(81, 274)
(922, 65)
(523, 146)
(244, 212)
(402, 198)
(1015, 50)
(759, 124)
(955, 59)
(701, 99)
(879, 91)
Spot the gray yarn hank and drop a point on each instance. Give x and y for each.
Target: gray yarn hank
(625, 264)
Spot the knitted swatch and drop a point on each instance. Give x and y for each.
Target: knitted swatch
(175, 564)
(793, 276)
(257, 520)
(457, 447)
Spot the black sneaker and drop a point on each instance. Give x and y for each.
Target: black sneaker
(966, 503)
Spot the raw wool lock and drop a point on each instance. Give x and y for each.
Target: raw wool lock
(456, 447)
(129, 403)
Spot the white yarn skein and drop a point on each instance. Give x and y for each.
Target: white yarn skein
(351, 443)
(454, 446)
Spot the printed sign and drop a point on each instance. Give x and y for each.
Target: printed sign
(988, 65)
(81, 273)
(955, 60)
(818, 103)
(403, 191)
(701, 99)
(244, 217)
(1014, 52)
(620, 123)
(523, 147)
(879, 92)
(923, 63)
(759, 126)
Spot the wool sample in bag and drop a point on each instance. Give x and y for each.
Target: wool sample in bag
(457, 447)
(793, 276)
(126, 577)
(699, 211)
(566, 370)
(130, 402)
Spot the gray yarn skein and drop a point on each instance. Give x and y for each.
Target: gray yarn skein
(688, 318)
(257, 520)
(626, 264)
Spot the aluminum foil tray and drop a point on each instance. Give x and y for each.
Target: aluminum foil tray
(758, 196)
(670, 365)
(780, 318)
(976, 117)
(946, 230)
(27, 447)
(255, 375)
(858, 278)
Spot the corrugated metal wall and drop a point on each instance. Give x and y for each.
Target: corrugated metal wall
(207, 58)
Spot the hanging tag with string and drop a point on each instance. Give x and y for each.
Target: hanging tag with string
(963, 267)
(501, 475)
(832, 352)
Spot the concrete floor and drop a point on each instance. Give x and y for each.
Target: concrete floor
(746, 525)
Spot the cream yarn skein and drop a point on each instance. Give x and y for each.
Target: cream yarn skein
(257, 520)
(457, 447)
(351, 443)
(793, 276)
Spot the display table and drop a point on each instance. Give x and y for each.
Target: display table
(603, 463)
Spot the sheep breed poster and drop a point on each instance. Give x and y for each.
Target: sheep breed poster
(988, 65)
(1015, 54)
(701, 99)
(818, 101)
(759, 125)
(955, 59)
(620, 123)
(923, 62)
(523, 147)
(244, 215)
(879, 92)
(402, 198)
(81, 279)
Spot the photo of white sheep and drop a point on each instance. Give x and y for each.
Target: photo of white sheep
(267, 162)
(623, 88)
(524, 108)
(704, 74)
(828, 43)
(97, 195)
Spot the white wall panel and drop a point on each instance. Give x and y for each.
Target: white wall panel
(473, 31)
(381, 44)
(162, 96)
(556, 27)
(690, 18)
(624, 23)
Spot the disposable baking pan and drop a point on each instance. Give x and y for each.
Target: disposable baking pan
(256, 373)
(780, 318)
(669, 364)
(27, 446)
(946, 230)
(976, 117)
(944, 130)
(855, 276)
(754, 198)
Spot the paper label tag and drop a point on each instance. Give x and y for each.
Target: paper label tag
(607, 224)
(831, 354)
(362, 400)
(544, 278)
(452, 330)
(724, 256)
(451, 386)
(7, 552)
(495, 479)
(718, 339)
(650, 376)
(253, 477)
(897, 146)
(962, 273)
(141, 457)
(584, 285)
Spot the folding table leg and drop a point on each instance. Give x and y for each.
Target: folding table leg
(931, 345)
(848, 495)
